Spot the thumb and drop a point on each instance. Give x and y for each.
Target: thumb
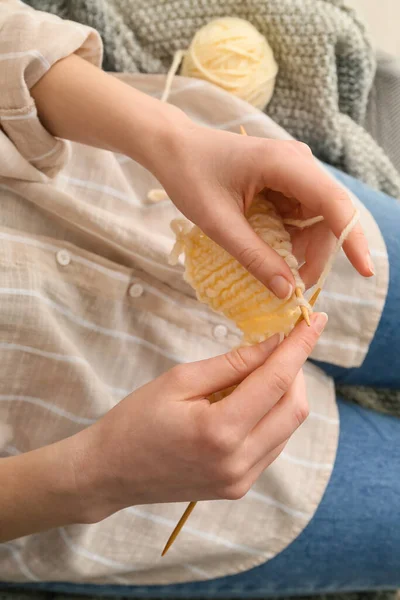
(205, 377)
(237, 237)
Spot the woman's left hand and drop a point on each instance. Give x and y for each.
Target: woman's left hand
(213, 176)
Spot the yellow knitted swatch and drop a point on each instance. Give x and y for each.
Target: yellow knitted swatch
(228, 288)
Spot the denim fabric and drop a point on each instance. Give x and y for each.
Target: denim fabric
(353, 541)
(381, 367)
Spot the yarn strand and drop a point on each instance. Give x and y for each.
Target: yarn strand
(178, 56)
(302, 224)
(340, 241)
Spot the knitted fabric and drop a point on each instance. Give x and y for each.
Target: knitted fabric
(326, 64)
(228, 288)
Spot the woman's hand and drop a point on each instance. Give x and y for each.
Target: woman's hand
(165, 442)
(212, 177)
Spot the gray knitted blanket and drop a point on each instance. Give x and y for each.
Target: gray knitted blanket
(325, 59)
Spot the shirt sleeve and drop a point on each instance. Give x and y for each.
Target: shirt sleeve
(30, 43)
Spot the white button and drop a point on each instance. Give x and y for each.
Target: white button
(63, 257)
(220, 331)
(136, 290)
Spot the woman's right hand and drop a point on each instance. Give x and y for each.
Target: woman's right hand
(165, 442)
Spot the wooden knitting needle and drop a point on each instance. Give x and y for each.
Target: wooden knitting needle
(304, 309)
(297, 291)
(178, 527)
(182, 520)
(190, 507)
(311, 302)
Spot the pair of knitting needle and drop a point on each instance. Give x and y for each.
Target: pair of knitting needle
(303, 317)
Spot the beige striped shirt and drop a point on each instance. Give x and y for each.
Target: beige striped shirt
(84, 268)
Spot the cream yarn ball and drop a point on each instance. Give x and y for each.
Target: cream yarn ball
(232, 54)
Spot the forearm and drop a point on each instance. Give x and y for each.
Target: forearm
(38, 491)
(80, 102)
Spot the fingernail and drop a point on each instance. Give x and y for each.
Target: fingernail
(371, 265)
(271, 342)
(281, 287)
(318, 321)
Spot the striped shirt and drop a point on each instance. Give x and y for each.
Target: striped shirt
(90, 310)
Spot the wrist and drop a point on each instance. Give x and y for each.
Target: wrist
(96, 493)
(157, 139)
(80, 102)
(40, 493)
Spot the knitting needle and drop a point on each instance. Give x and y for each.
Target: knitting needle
(297, 291)
(189, 509)
(191, 505)
(178, 527)
(311, 302)
(182, 520)
(304, 309)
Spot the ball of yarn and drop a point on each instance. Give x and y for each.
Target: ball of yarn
(232, 54)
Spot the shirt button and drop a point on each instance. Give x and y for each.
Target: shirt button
(135, 290)
(220, 332)
(63, 257)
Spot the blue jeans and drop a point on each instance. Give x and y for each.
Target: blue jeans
(353, 541)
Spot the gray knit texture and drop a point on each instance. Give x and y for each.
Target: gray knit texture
(325, 58)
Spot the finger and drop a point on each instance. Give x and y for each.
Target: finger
(205, 377)
(241, 241)
(259, 392)
(298, 175)
(280, 423)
